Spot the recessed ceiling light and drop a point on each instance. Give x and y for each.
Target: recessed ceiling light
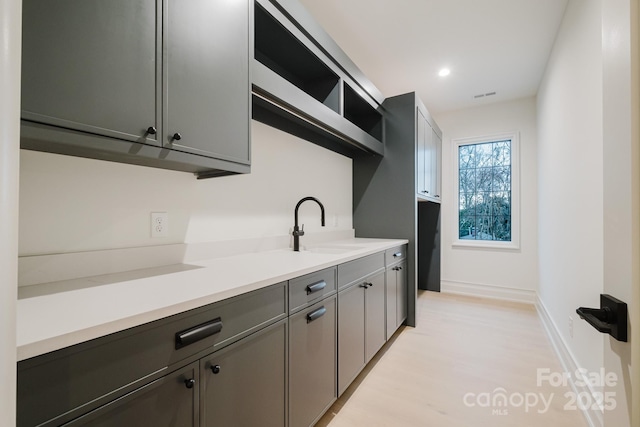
(444, 72)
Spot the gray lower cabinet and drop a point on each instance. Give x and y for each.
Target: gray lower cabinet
(170, 401)
(397, 287)
(162, 83)
(374, 326)
(361, 326)
(396, 296)
(312, 346)
(60, 386)
(312, 362)
(275, 357)
(244, 384)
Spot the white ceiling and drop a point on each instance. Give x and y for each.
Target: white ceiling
(497, 46)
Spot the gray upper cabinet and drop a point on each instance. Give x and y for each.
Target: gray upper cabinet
(207, 71)
(436, 164)
(91, 65)
(161, 83)
(423, 147)
(304, 84)
(428, 157)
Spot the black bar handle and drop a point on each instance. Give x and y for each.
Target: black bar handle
(316, 287)
(199, 332)
(316, 314)
(596, 317)
(610, 318)
(397, 254)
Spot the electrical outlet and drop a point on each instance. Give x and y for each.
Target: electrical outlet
(571, 326)
(159, 224)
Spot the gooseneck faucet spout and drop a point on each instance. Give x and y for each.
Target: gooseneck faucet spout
(297, 232)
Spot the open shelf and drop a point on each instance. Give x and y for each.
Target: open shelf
(284, 54)
(361, 113)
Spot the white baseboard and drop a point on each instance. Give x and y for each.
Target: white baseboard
(595, 418)
(488, 291)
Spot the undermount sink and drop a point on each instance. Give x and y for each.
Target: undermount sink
(334, 249)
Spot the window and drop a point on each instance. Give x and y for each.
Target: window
(487, 187)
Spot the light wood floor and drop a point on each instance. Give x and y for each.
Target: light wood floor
(463, 348)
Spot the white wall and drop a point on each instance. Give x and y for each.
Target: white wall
(501, 273)
(621, 189)
(10, 23)
(570, 171)
(70, 204)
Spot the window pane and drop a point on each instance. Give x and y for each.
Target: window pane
(484, 205)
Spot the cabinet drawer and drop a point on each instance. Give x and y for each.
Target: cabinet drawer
(395, 255)
(352, 271)
(310, 288)
(71, 381)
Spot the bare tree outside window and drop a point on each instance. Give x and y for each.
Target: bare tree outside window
(484, 179)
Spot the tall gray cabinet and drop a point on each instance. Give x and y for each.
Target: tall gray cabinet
(386, 189)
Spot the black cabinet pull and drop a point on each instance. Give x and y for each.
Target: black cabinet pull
(397, 254)
(364, 285)
(151, 130)
(397, 268)
(176, 137)
(369, 284)
(199, 332)
(190, 383)
(316, 314)
(215, 369)
(316, 287)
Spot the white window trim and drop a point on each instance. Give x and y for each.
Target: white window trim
(514, 244)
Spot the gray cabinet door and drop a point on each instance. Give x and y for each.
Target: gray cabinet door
(92, 65)
(207, 78)
(421, 153)
(375, 327)
(350, 335)
(392, 303)
(312, 362)
(436, 164)
(401, 289)
(170, 401)
(243, 385)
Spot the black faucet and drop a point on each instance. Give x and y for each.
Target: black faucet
(297, 232)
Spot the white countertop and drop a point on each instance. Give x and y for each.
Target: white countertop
(57, 315)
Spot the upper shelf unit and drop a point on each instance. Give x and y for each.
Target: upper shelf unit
(305, 84)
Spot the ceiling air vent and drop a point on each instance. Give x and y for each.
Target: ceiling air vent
(482, 95)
